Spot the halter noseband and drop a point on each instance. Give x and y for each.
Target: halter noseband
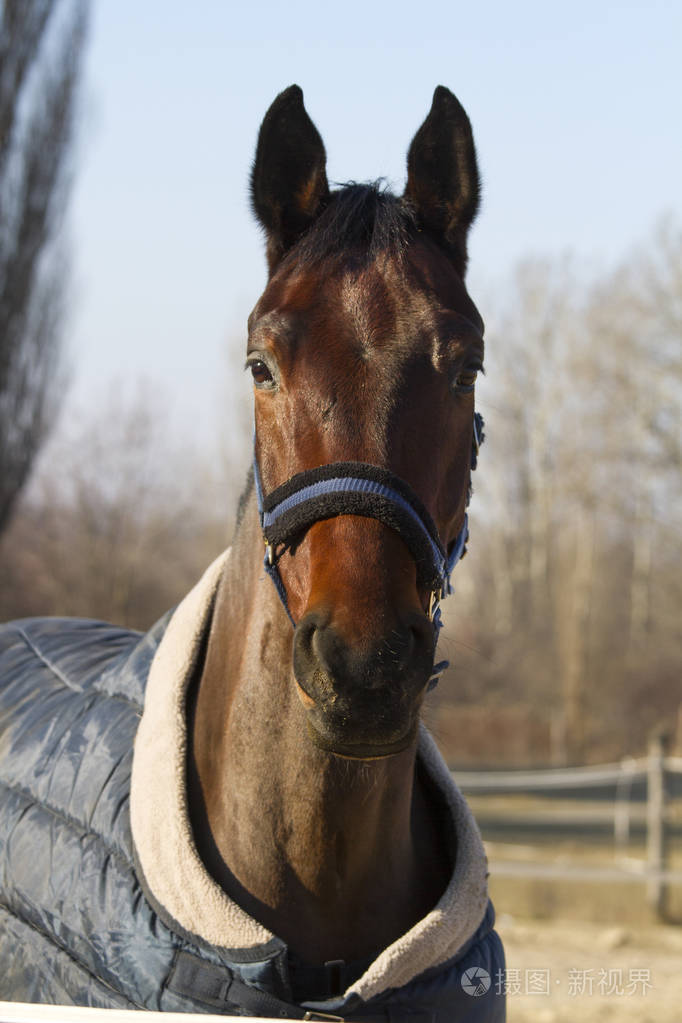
(358, 488)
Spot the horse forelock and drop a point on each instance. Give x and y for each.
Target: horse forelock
(361, 222)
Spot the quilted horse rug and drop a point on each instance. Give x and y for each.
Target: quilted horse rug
(104, 900)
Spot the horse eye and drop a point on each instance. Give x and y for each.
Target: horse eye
(260, 373)
(465, 380)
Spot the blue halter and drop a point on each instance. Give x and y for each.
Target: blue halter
(358, 488)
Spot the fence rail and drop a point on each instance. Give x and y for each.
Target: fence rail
(558, 778)
(648, 780)
(25, 1012)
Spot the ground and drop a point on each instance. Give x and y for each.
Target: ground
(562, 971)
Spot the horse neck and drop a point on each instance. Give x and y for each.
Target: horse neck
(322, 850)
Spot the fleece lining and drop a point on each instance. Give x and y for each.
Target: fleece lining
(164, 844)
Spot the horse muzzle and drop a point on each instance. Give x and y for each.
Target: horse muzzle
(363, 698)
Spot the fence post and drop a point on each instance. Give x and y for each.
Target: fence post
(656, 836)
(622, 805)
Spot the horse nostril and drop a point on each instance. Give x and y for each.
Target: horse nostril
(413, 643)
(303, 638)
(324, 657)
(306, 646)
(422, 633)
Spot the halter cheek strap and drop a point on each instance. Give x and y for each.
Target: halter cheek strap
(359, 488)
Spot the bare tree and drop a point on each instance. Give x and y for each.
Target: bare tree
(573, 608)
(41, 47)
(120, 518)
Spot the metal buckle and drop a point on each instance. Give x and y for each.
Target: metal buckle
(434, 601)
(269, 553)
(314, 1015)
(477, 442)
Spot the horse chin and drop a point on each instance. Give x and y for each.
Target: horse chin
(362, 750)
(335, 736)
(359, 728)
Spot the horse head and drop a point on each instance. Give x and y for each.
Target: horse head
(364, 349)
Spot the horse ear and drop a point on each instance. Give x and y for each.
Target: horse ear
(288, 181)
(443, 183)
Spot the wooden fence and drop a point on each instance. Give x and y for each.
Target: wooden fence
(25, 1012)
(657, 777)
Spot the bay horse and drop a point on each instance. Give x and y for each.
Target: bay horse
(293, 844)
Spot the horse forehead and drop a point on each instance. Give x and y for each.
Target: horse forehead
(365, 307)
(382, 307)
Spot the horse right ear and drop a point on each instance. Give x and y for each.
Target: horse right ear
(443, 183)
(288, 181)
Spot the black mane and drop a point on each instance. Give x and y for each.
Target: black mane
(365, 220)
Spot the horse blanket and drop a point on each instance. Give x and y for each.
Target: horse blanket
(103, 898)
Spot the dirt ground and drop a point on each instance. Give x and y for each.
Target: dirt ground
(563, 971)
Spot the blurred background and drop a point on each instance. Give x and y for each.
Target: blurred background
(129, 262)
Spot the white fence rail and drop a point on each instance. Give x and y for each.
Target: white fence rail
(655, 775)
(558, 778)
(24, 1012)
(552, 779)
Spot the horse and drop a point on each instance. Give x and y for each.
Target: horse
(241, 811)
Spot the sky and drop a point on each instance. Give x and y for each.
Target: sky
(576, 110)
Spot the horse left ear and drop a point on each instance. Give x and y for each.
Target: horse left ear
(443, 183)
(288, 181)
